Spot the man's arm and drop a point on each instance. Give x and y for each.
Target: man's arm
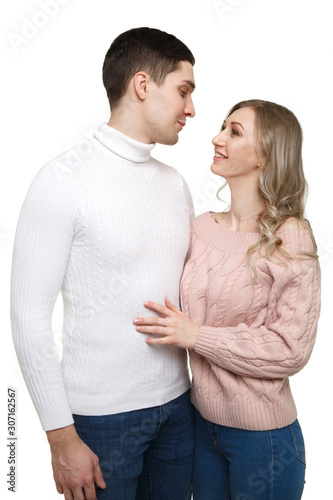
(43, 243)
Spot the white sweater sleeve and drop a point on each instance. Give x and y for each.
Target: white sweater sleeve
(43, 241)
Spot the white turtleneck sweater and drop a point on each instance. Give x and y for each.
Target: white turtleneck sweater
(108, 226)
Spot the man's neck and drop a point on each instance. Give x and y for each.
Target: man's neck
(126, 121)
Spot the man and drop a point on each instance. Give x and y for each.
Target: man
(108, 225)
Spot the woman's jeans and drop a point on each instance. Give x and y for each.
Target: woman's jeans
(236, 464)
(144, 454)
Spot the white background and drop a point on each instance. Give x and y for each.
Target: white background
(52, 97)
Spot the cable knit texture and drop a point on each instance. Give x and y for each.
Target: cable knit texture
(109, 227)
(253, 334)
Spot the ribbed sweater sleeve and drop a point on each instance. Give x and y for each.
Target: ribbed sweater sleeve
(282, 345)
(42, 245)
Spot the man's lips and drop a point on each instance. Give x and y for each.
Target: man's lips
(182, 124)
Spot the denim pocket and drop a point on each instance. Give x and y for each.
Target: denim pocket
(297, 435)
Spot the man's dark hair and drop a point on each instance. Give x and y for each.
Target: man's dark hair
(141, 49)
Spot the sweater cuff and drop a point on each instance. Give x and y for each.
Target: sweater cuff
(55, 417)
(206, 341)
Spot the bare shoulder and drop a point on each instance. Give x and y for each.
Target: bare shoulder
(292, 224)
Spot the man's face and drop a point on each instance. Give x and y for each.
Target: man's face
(169, 105)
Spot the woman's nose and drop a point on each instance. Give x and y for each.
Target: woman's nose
(219, 139)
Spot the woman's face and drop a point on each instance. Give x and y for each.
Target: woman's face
(235, 152)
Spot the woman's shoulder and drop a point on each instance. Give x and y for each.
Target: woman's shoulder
(297, 240)
(293, 224)
(295, 236)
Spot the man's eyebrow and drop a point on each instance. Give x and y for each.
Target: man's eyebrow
(190, 83)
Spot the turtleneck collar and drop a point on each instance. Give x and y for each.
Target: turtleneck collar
(122, 145)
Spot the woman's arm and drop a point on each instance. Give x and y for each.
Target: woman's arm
(278, 348)
(283, 344)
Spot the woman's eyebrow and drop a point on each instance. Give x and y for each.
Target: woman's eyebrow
(232, 123)
(237, 123)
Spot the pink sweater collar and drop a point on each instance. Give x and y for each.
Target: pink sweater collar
(219, 237)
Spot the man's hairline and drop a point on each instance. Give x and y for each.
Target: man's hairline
(188, 82)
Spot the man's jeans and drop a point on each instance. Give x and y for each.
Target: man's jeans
(144, 454)
(247, 465)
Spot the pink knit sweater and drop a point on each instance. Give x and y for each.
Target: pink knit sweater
(253, 334)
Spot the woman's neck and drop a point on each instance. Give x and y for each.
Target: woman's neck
(246, 205)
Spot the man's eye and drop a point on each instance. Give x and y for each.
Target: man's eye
(183, 93)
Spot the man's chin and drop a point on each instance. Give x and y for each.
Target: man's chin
(169, 141)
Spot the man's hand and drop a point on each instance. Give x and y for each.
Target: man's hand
(75, 467)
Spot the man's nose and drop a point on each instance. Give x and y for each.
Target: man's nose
(189, 108)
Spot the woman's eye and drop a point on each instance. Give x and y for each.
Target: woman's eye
(234, 132)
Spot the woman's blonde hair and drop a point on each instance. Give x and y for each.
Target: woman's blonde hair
(282, 183)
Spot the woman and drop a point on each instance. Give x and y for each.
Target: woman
(250, 298)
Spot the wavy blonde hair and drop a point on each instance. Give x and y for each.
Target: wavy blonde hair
(281, 183)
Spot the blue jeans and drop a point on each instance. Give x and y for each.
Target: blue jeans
(236, 464)
(144, 454)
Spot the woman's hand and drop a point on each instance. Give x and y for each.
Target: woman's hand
(177, 328)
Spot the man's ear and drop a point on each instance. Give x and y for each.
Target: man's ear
(141, 81)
